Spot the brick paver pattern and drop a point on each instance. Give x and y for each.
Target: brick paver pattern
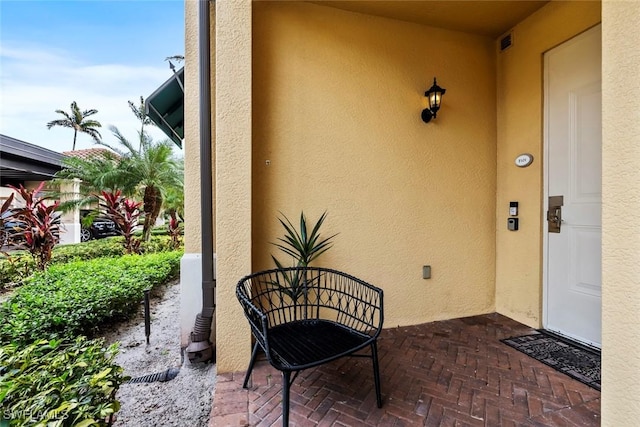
(448, 373)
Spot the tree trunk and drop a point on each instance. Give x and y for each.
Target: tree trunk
(152, 206)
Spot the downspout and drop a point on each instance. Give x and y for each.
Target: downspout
(200, 348)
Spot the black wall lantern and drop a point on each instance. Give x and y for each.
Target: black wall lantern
(434, 95)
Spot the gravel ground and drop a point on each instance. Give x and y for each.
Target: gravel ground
(183, 401)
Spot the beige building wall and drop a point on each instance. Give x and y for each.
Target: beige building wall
(337, 98)
(621, 204)
(336, 127)
(233, 110)
(192, 230)
(520, 107)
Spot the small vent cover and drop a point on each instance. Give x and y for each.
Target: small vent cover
(506, 42)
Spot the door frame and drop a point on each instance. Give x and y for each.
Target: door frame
(545, 189)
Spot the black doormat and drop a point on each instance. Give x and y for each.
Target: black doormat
(574, 359)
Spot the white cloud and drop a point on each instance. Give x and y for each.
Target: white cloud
(36, 81)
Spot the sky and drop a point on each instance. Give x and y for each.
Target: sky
(99, 53)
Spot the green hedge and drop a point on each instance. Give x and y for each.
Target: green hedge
(71, 383)
(20, 265)
(76, 298)
(159, 230)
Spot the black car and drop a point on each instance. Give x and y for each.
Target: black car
(12, 229)
(10, 226)
(99, 228)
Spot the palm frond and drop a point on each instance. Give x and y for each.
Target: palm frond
(60, 122)
(87, 113)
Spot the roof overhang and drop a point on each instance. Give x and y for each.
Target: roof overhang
(165, 107)
(21, 161)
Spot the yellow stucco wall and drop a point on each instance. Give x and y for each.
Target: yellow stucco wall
(337, 98)
(520, 85)
(621, 204)
(233, 111)
(191, 144)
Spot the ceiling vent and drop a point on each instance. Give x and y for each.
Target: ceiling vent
(506, 42)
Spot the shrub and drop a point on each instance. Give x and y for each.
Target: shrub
(160, 230)
(76, 298)
(59, 383)
(109, 247)
(16, 268)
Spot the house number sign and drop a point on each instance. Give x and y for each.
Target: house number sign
(524, 160)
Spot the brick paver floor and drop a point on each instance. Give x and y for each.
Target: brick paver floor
(448, 373)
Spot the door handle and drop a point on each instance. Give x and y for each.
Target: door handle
(554, 214)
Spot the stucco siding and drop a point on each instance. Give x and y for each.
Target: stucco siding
(192, 229)
(621, 204)
(337, 98)
(520, 130)
(233, 109)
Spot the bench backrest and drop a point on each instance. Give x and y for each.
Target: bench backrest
(278, 296)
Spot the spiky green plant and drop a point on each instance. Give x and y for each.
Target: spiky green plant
(304, 247)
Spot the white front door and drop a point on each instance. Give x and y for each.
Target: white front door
(573, 140)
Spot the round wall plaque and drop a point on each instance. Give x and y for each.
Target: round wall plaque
(524, 160)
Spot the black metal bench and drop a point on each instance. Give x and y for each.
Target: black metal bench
(303, 317)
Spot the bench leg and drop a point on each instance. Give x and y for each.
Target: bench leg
(286, 384)
(254, 354)
(376, 372)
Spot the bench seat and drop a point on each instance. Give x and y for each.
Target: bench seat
(306, 343)
(303, 317)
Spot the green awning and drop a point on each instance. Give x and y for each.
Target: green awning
(165, 107)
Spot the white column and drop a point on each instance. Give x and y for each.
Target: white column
(70, 232)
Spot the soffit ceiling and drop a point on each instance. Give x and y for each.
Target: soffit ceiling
(483, 17)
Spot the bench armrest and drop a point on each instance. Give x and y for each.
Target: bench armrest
(257, 319)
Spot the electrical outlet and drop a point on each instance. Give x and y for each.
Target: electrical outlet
(426, 272)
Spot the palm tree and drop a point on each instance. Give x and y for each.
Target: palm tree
(174, 196)
(141, 114)
(77, 120)
(101, 172)
(153, 169)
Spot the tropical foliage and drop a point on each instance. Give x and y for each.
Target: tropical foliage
(174, 230)
(77, 298)
(149, 173)
(141, 114)
(153, 169)
(100, 172)
(16, 269)
(79, 122)
(124, 213)
(5, 214)
(50, 374)
(59, 383)
(38, 224)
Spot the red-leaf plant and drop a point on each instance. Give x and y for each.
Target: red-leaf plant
(38, 225)
(174, 230)
(124, 213)
(5, 215)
